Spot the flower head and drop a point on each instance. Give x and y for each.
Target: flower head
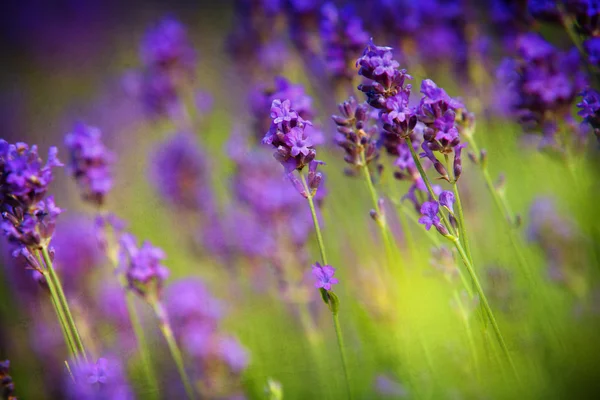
(429, 214)
(167, 46)
(323, 275)
(447, 200)
(90, 162)
(142, 266)
(24, 178)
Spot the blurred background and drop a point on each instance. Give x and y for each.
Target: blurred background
(238, 237)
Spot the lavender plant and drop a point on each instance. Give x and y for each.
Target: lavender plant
(6, 382)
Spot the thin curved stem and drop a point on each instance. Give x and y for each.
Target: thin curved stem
(142, 344)
(484, 300)
(62, 302)
(167, 331)
(336, 323)
(381, 221)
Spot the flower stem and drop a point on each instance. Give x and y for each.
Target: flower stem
(60, 314)
(62, 303)
(142, 345)
(483, 299)
(380, 218)
(167, 331)
(336, 323)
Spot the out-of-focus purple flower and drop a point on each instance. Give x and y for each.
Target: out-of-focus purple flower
(543, 84)
(343, 37)
(90, 162)
(388, 387)
(592, 48)
(142, 267)
(233, 353)
(77, 251)
(102, 380)
(189, 299)
(166, 46)
(429, 214)
(178, 171)
(442, 259)
(323, 275)
(7, 386)
(447, 200)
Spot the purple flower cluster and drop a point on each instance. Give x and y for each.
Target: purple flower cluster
(343, 37)
(28, 218)
(353, 134)
(444, 118)
(90, 162)
(196, 316)
(543, 84)
(104, 379)
(142, 267)
(178, 172)
(291, 136)
(262, 97)
(590, 109)
(7, 386)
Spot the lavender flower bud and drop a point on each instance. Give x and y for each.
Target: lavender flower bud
(7, 386)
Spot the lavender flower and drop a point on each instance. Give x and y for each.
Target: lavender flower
(90, 162)
(353, 135)
(544, 84)
(7, 386)
(142, 267)
(429, 212)
(102, 380)
(323, 275)
(343, 37)
(233, 353)
(589, 109)
(178, 173)
(290, 136)
(446, 199)
(24, 178)
(592, 48)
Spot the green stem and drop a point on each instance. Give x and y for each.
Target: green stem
(461, 220)
(167, 331)
(470, 339)
(142, 345)
(336, 323)
(62, 302)
(340, 340)
(484, 300)
(381, 222)
(61, 317)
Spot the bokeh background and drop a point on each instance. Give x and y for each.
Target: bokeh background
(405, 337)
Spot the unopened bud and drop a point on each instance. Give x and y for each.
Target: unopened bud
(453, 222)
(473, 158)
(442, 229)
(483, 158)
(374, 215)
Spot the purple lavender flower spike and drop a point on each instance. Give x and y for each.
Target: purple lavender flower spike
(447, 200)
(178, 171)
(90, 162)
(104, 379)
(24, 178)
(233, 353)
(324, 276)
(290, 137)
(166, 46)
(429, 212)
(589, 110)
(7, 386)
(343, 37)
(142, 267)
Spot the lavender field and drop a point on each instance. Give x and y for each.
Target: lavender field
(300, 199)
